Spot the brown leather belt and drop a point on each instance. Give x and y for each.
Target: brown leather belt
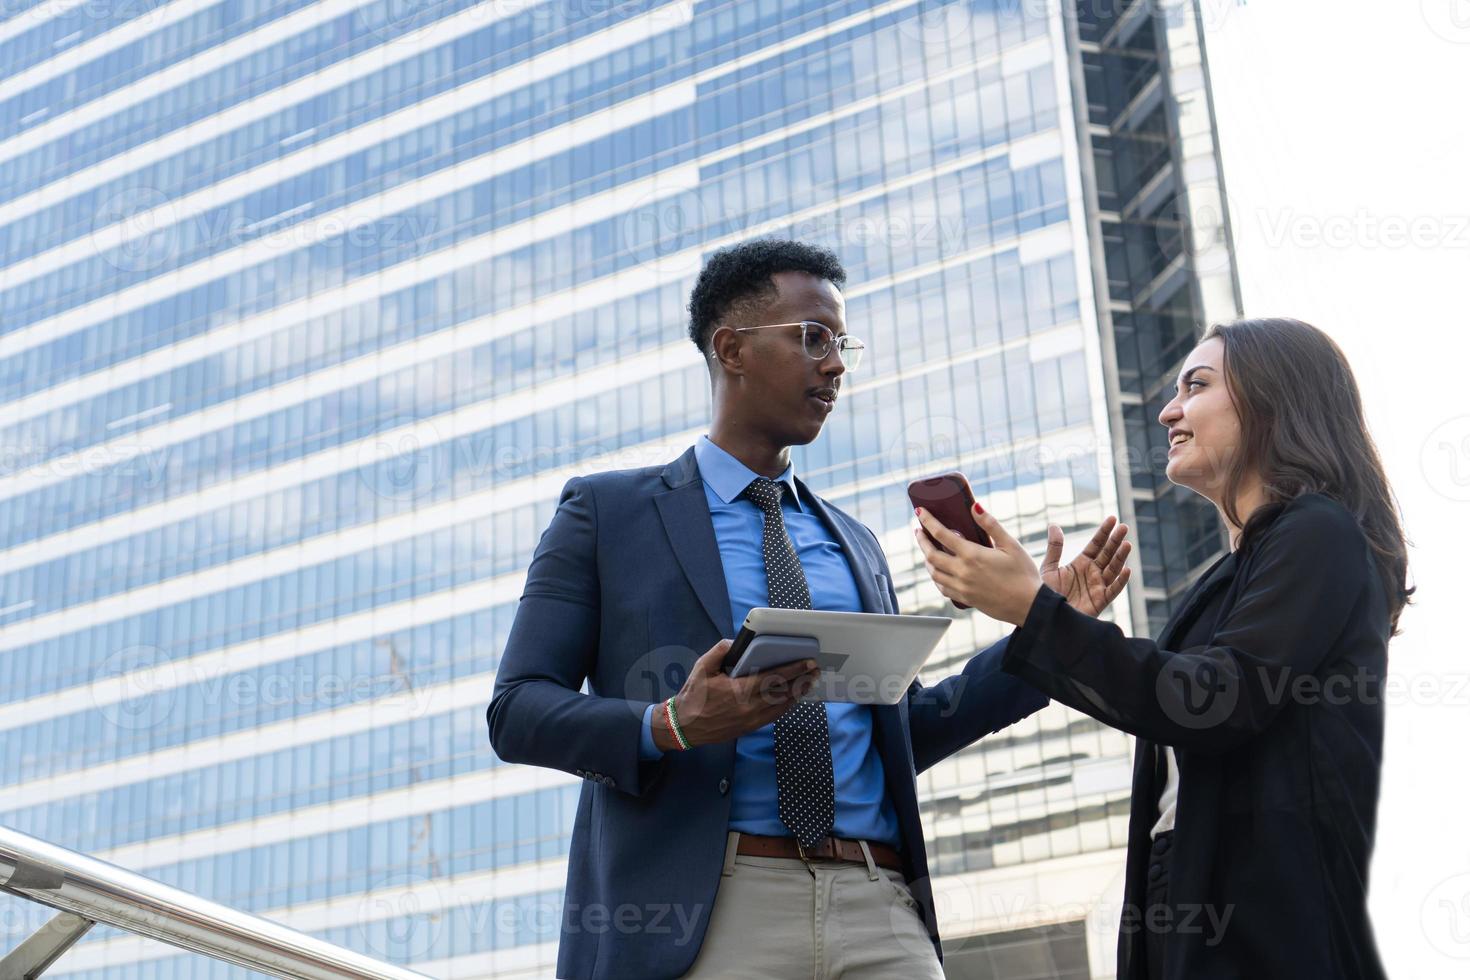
(828, 849)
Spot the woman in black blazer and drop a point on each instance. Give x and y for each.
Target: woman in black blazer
(1258, 710)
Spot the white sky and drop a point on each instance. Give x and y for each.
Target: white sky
(1345, 133)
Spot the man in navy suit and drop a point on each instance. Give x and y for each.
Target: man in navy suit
(725, 828)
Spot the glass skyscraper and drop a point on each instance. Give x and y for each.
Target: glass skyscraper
(308, 311)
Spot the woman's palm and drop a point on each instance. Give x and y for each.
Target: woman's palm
(1092, 580)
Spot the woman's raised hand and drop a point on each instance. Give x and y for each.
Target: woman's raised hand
(1002, 581)
(1092, 580)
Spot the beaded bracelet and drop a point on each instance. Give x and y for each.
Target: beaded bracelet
(671, 715)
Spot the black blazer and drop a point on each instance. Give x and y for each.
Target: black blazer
(1268, 683)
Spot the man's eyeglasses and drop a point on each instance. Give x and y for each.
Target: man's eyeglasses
(818, 339)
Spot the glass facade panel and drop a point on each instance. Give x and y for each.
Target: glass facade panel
(306, 315)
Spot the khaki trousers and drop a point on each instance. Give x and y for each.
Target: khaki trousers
(787, 919)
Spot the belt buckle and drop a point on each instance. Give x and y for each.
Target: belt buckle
(805, 859)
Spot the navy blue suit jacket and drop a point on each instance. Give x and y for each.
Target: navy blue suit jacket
(625, 591)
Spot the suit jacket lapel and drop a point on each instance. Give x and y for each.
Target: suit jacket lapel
(686, 519)
(1146, 785)
(857, 560)
(890, 722)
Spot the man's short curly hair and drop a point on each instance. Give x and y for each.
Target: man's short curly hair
(739, 273)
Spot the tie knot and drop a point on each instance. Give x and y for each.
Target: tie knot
(765, 494)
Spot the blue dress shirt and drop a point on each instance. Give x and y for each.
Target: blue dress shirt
(863, 810)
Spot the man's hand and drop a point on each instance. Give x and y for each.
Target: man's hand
(713, 707)
(1095, 577)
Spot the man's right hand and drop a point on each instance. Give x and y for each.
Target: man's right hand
(712, 706)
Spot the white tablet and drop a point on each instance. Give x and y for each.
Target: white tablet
(865, 658)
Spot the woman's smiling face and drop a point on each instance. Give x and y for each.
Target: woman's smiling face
(1204, 427)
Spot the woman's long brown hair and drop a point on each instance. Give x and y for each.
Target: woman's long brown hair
(1303, 431)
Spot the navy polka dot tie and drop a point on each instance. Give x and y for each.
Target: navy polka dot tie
(804, 796)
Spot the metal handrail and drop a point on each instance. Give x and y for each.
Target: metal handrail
(86, 890)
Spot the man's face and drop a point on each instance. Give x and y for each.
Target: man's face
(786, 393)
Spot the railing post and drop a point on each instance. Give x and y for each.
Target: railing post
(43, 947)
(86, 891)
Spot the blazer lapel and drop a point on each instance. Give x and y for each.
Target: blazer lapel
(1146, 785)
(1219, 574)
(861, 565)
(891, 734)
(685, 515)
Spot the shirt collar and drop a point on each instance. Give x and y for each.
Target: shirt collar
(728, 477)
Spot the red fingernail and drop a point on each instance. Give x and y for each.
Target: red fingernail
(978, 508)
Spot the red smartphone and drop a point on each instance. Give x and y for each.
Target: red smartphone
(949, 498)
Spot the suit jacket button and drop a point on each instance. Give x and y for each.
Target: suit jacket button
(724, 786)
